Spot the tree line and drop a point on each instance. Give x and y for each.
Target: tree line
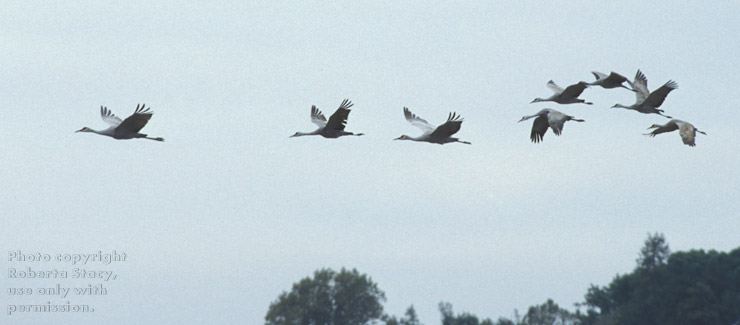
(693, 287)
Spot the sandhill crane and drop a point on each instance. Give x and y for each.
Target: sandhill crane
(439, 135)
(648, 102)
(548, 118)
(334, 128)
(613, 80)
(685, 129)
(126, 129)
(568, 95)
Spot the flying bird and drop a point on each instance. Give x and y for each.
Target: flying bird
(686, 130)
(126, 129)
(439, 135)
(547, 118)
(613, 80)
(647, 102)
(334, 128)
(568, 95)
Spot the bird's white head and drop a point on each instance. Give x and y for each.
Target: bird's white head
(84, 129)
(537, 100)
(297, 134)
(654, 126)
(403, 137)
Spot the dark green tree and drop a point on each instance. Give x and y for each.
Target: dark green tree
(655, 252)
(410, 318)
(694, 287)
(449, 318)
(548, 313)
(329, 298)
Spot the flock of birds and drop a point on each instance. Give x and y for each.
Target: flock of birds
(647, 103)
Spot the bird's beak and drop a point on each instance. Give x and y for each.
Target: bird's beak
(534, 100)
(521, 119)
(399, 138)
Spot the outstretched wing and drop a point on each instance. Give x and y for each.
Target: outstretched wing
(556, 121)
(539, 127)
(656, 98)
(417, 121)
(108, 117)
(616, 78)
(688, 133)
(135, 122)
(338, 120)
(573, 91)
(640, 87)
(599, 75)
(555, 88)
(671, 126)
(317, 117)
(449, 128)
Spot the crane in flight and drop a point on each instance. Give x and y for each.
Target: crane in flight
(126, 129)
(440, 135)
(333, 128)
(686, 130)
(548, 118)
(613, 80)
(648, 102)
(569, 95)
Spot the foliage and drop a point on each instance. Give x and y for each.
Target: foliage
(449, 318)
(654, 253)
(329, 298)
(694, 287)
(548, 313)
(410, 319)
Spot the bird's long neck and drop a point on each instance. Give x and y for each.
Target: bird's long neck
(107, 132)
(300, 134)
(622, 106)
(406, 137)
(528, 117)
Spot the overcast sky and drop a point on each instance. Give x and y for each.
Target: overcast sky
(229, 211)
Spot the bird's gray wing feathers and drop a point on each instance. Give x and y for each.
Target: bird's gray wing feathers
(108, 117)
(417, 121)
(338, 120)
(539, 127)
(449, 128)
(134, 123)
(573, 91)
(657, 97)
(317, 117)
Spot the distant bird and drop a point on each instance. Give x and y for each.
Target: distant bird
(334, 128)
(547, 118)
(613, 80)
(126, 129)
(648, 102)
(685, 129)
(439, 135)
(568, 95)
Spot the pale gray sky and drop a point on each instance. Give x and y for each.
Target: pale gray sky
(229, 212)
